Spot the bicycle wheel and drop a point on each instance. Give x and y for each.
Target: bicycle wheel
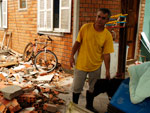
(45, 61)
(28, 52)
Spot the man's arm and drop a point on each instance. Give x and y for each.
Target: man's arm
(76, 46)
(107, 64)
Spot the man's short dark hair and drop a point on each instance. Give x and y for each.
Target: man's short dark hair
(105, 10)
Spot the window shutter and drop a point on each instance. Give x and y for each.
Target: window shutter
(4, 13)
(65, 16)
(41, 15)
(45, 12)
(49, 15)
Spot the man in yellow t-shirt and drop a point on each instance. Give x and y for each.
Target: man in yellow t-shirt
(94, 44)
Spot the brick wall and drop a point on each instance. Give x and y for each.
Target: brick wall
(23, 25)
(89, 8)
(141, 22)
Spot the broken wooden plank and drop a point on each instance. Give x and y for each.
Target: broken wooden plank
(9, 64)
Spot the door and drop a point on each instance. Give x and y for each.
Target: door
(132, 22)
(132, 9)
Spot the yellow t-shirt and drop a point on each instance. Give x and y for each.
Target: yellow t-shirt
(93, 45)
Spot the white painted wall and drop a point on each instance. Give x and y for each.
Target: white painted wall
(113, 63)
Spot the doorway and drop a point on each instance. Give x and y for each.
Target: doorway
(131, 7)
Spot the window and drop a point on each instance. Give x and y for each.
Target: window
(22, 4)
(54, 15)
(3, 14)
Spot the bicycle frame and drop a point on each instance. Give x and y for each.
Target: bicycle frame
(35, 47)
(41, 56)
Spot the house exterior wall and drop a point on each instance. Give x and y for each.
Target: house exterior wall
(89, 8)
(140, 27)
(23, 25)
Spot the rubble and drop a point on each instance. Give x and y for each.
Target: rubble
(26, 90)
(28, 110)
(8, 64)
(50, 107)
(11, 92)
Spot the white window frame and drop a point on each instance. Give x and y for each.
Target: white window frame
(20, 9)
(52, 29)
(3, 14)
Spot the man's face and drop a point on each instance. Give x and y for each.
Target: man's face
(101, 19)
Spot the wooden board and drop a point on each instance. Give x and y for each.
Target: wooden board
(9, 64)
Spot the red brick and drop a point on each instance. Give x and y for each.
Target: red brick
(5, 102)
(50, 107)
(15, 106)
(2, 77)
(27, 65)
(3, 108)
(27, 97)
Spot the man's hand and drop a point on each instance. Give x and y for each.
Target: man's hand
(75, 47)
(72, 62)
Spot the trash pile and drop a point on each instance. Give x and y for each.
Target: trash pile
(24, 89)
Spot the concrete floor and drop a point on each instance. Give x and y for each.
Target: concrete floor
(100, 102)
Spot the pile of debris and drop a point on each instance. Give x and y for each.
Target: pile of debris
(24, 89)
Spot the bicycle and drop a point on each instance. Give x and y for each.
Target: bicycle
(43, 58)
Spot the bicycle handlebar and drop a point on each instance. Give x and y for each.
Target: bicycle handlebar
(49, 38)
